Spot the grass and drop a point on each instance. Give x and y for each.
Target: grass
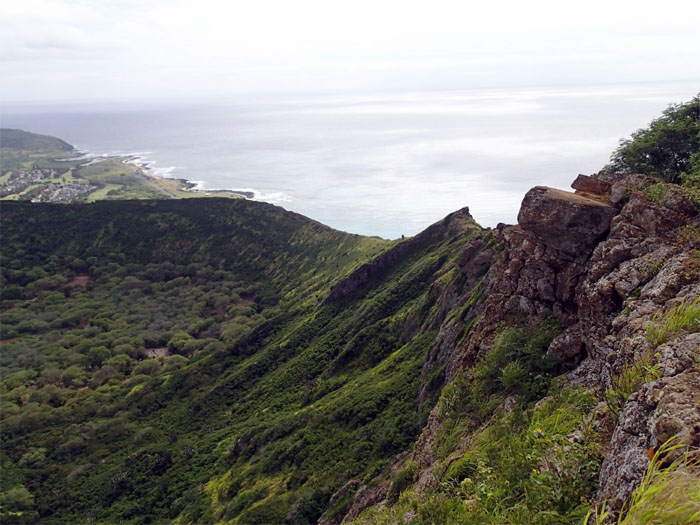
(684, 318)
(518, 468)
(667, 494)
(628, 381)
(102, 193)
(67, 178)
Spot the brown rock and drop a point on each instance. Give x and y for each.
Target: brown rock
(567, 345)
(591, 185)
(569, 223)
(365, 498)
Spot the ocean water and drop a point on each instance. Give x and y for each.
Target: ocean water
(386, 164)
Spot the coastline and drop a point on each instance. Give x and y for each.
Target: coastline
(61, 173)
(175, 188)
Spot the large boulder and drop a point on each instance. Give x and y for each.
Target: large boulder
(570, 223)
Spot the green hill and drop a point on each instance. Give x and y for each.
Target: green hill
(169, 359)
(23, 140)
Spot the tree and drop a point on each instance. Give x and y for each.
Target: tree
(18, 498)
(73, 376)
(669, 148)
(98, 355)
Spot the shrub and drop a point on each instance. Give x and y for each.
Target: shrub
(146, 435)
(74, 377)
(34, 458)
(513, 377)
(11, 293)
(122, 362)
(17, 499)
(147, 367)
(98, 355)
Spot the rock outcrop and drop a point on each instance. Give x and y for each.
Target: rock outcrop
(661, 410)
(566, 222)
(607, 262)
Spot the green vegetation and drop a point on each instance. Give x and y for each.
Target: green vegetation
(628, 381)
(669, 493)
(667, 496)
(21, 140)
(684, 318)
(402, 481)
(228, 361)
(497, 466)
(517, 365)
(520, 467)
(173, 360)
(669, 148)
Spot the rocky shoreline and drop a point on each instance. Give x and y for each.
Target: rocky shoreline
(144, 169)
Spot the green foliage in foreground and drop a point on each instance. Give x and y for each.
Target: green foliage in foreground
(628, 381)
(520, 467)
(669, 148)
(518, 365)
(180, 361)
(534, 464)
(668, 494)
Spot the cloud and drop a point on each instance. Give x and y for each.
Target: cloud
(213, 46)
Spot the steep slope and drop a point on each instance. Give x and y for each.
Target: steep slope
(211, 360)
(606, 283)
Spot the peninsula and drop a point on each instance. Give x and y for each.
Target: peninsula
(40, 168)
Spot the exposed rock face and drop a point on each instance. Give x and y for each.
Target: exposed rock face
(374, 495)
(592, 186)
(537, 274)
(569, 223)
(660, 410)
(350, 486)
(606, 262)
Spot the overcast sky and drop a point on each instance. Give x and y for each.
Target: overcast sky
(82, 50)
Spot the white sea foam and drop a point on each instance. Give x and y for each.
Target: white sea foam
(165, 173)
(198, 184)
(95, 160)
(150, 165)
(273, 197)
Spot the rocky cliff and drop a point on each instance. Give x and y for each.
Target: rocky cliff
(615, 267)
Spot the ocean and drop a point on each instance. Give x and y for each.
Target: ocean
(385, 164)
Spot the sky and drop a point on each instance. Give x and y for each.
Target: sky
(56, 50)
